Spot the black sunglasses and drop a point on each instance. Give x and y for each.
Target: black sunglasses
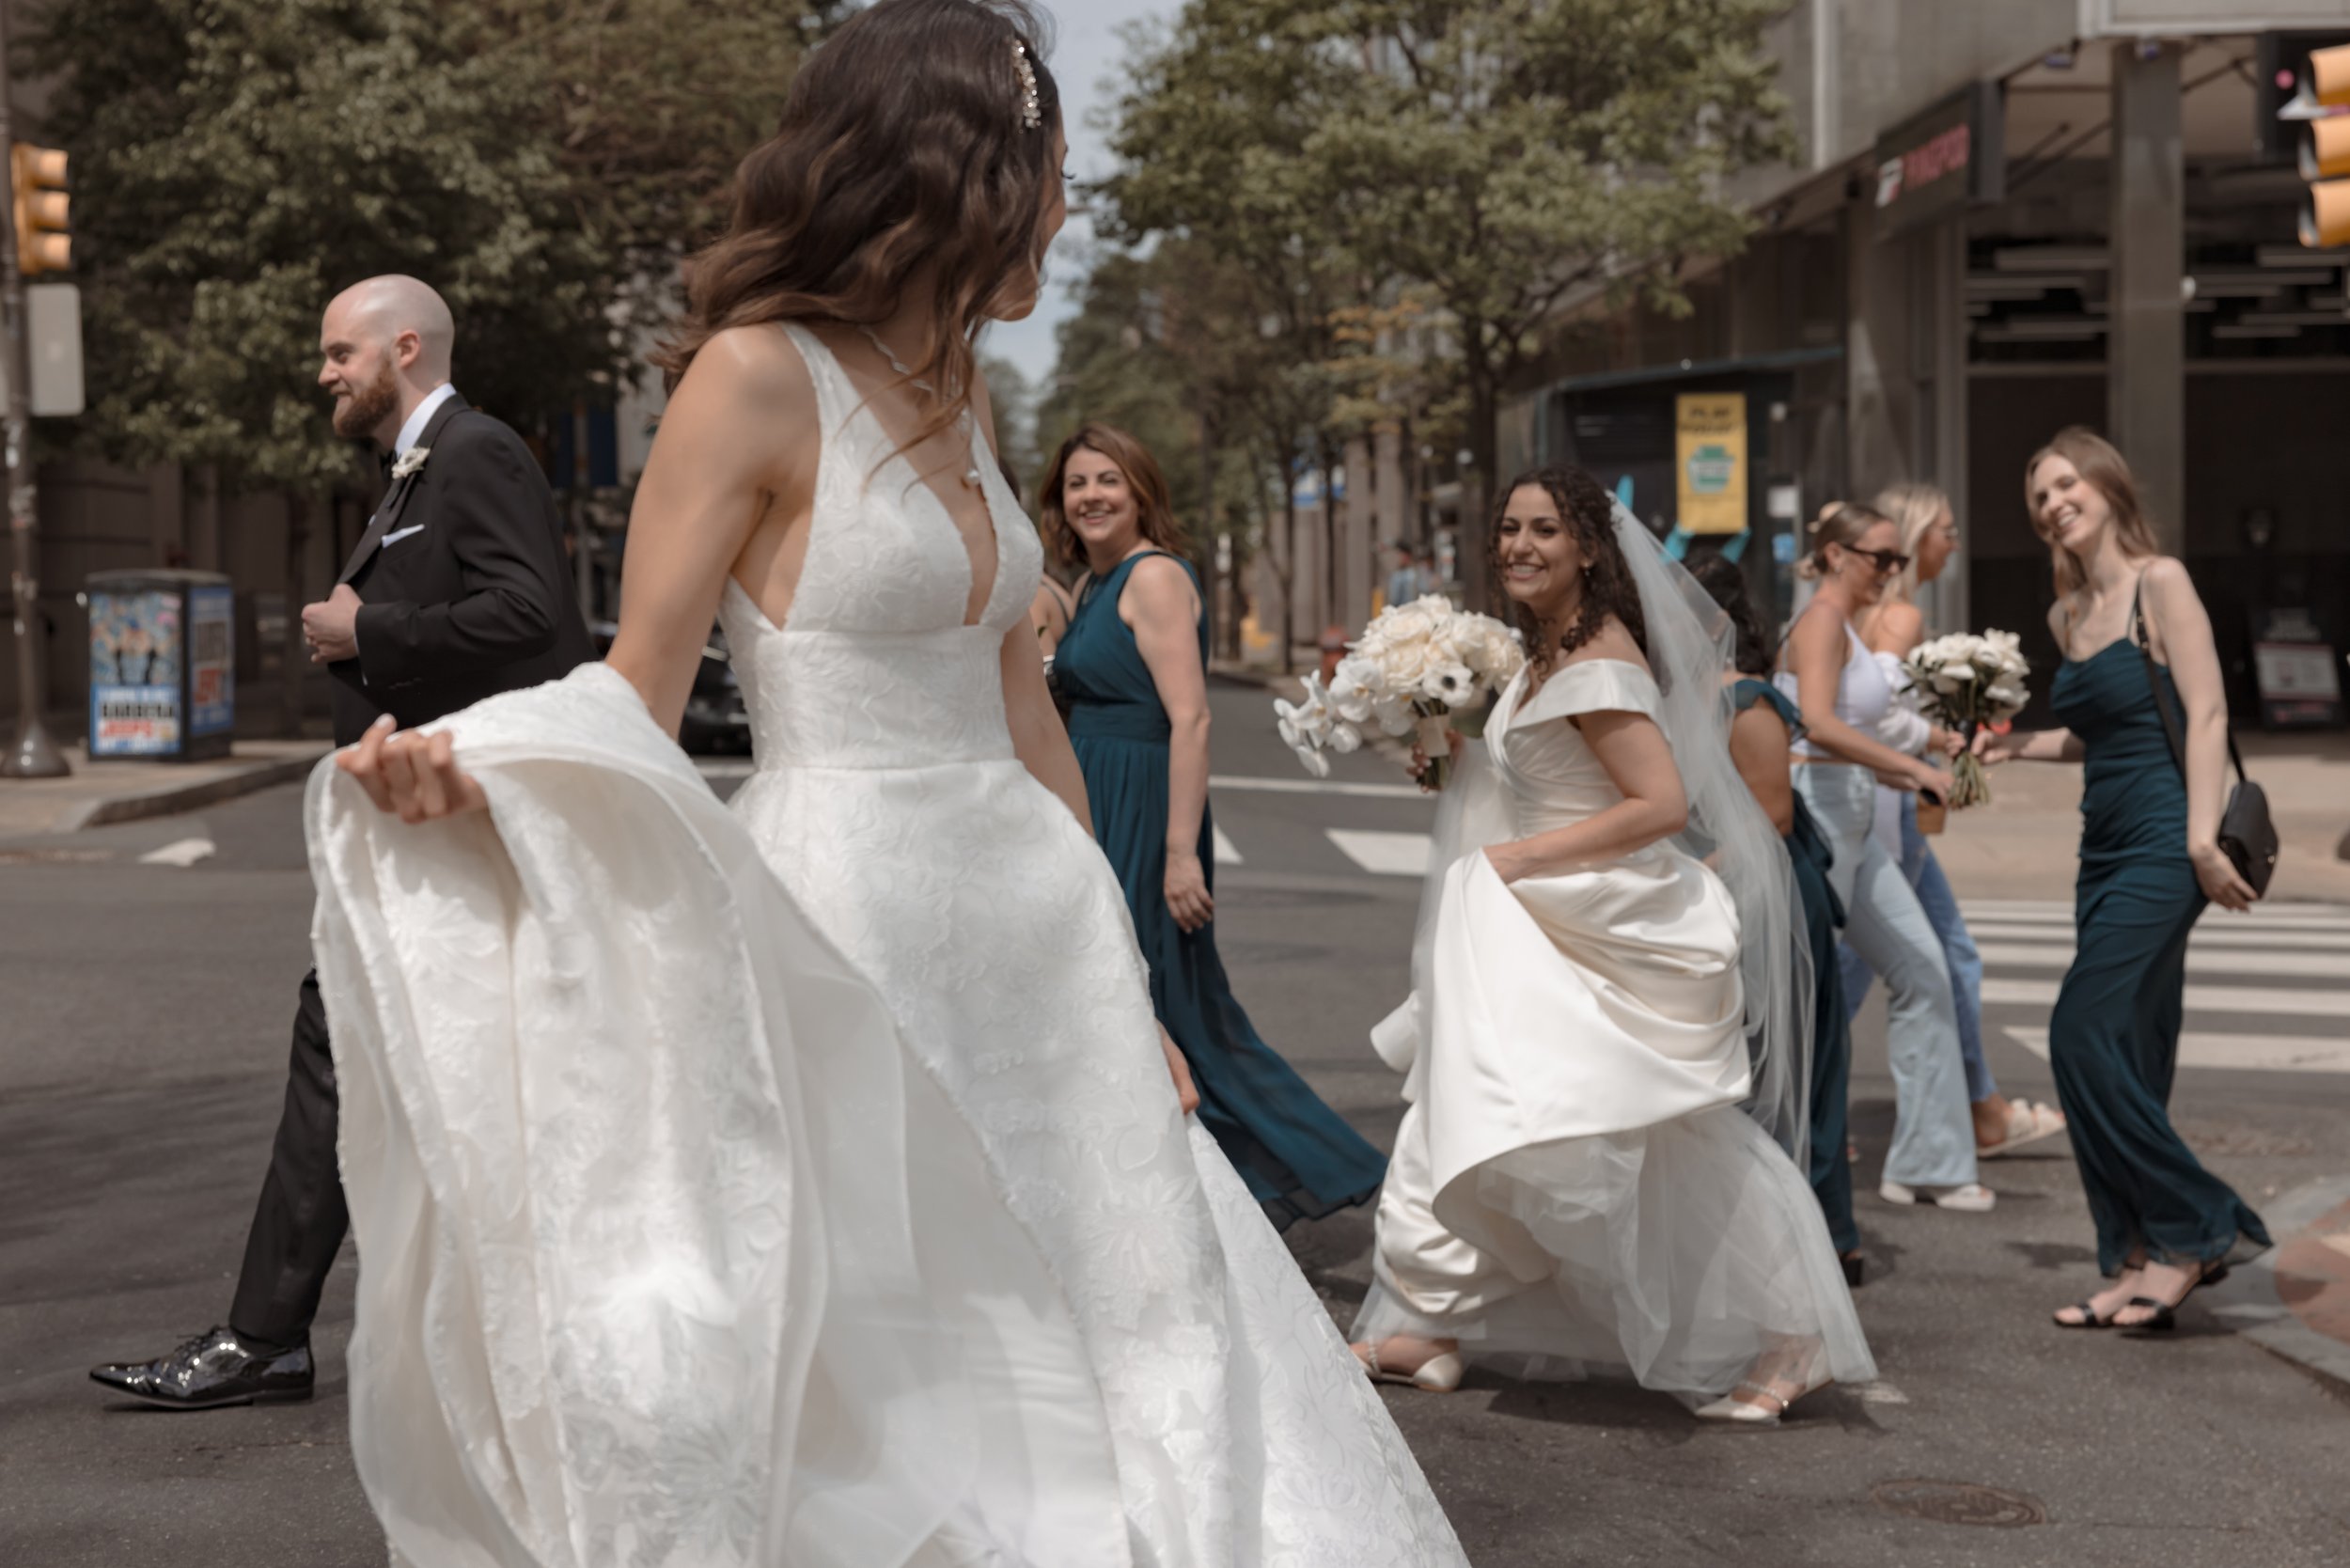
(1887, 560)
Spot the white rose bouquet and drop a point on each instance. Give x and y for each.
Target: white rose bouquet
(1412, 668)
(1963, 681)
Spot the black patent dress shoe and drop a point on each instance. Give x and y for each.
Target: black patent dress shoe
(215, 1368)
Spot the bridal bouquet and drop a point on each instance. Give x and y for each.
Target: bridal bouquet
(1965, 680)
(1412, 668)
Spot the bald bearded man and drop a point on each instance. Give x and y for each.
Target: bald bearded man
(457, 590)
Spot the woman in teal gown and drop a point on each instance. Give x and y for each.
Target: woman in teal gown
(1762, 755)
(1104, 499)
(2133, 633)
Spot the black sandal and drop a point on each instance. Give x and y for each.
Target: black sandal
(2166, 1316)
(2089, 1318)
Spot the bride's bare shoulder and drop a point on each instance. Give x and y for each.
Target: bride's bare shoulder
(760, 360)
(1613, 641)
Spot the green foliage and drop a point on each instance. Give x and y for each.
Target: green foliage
(1476, 164)
(237, 161)
(651, 104)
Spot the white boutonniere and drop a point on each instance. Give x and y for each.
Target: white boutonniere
(411, 461)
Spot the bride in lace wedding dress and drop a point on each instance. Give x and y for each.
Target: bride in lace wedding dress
(806, 1183)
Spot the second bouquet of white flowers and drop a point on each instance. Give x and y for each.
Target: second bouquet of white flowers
(1963, 681)
(1414, 668)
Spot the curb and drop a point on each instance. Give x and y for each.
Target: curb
(169, 799)
(2259, 1313)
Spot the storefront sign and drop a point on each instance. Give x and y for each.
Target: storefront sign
(1710, 461)
(134, 674)
(1942, 161)
(2300, 682)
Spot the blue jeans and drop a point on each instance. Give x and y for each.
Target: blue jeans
(1958, 951)
(1934, 1136)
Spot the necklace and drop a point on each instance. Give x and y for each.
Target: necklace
(970, 474)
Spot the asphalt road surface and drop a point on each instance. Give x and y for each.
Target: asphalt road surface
(144, 1009)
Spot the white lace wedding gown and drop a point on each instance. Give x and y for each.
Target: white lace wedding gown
(804, 1185)
(1574, 1187)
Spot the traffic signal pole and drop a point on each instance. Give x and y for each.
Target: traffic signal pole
(33, 755)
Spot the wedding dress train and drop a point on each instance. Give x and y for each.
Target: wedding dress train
(803, 1184)
(1574, 1187)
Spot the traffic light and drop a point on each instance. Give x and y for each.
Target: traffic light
(44, 243)
(2321, 105)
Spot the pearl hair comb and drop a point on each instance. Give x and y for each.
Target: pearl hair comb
(1031, 115)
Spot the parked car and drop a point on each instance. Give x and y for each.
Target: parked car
(715, 719)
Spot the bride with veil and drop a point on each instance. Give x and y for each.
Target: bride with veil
(807, 1182)
(1606, 1042)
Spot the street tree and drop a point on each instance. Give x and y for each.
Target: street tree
(647, 106)
(1511, 157)
(238, 162)
(1211, 137)
(1169, 344)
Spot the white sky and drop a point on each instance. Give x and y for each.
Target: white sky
(1086, 52)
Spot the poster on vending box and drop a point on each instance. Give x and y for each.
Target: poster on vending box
(134, 674)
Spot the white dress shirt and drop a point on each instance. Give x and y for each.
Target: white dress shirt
(413, 427)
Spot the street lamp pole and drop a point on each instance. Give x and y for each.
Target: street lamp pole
(33, 755)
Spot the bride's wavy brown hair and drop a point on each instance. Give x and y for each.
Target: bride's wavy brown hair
(902, 142)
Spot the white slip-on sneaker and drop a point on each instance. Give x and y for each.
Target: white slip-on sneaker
(1972, 1199)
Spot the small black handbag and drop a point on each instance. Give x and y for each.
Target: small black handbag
(2246, 837)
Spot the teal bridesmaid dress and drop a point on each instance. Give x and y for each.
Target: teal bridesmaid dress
(1831, 1027)
(1297, 1156)
(2113, 1039)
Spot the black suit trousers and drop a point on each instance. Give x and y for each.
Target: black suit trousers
(301, 1222)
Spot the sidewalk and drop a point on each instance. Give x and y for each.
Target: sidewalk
(95, 793)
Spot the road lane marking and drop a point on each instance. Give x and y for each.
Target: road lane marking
(2200, 960)
(181, 852)
(2252, 1053)
(2315, 917)
(1383, 853)
(1317, 787)
(2266, 1001)
(1226, 854)
(2207, 935)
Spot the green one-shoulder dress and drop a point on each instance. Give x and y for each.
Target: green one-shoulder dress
(2113, 1037)
(1831, 1030)
(1298, 1156)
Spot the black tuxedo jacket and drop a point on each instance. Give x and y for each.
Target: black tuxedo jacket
(464, 586)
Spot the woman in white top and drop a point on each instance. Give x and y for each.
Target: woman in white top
(1892, 628)
(1844, 696)
(1575, 1184)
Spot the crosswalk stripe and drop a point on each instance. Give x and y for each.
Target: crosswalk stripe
(2269, 1053)
(2210, 934)
(2285, 917)
(1383, 853)
(2200, 960)
(1318, 787)
(1999, 991)
(1226, 854)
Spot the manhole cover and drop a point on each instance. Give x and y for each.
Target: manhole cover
(1959, 1502)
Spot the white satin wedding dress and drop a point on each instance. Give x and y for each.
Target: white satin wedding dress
(803, 1185)
(1574, 1187)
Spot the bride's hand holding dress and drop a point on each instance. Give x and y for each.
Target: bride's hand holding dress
(1056, 1327)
